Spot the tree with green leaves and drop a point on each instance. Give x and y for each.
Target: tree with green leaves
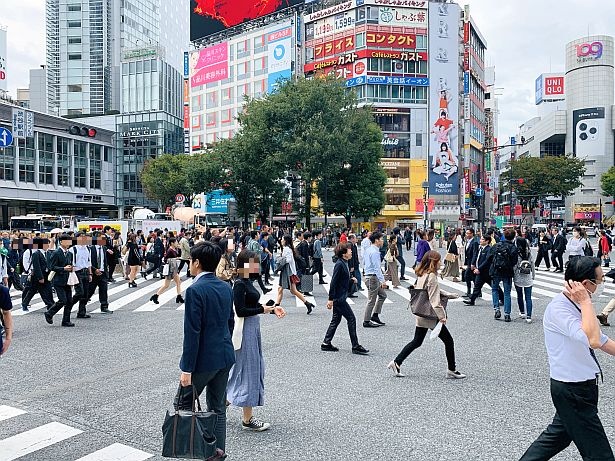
(607, 182)
(164, 177)
(544, 177)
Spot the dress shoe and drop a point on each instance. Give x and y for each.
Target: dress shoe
(154, 299)
(403, 278)
(370, 324)
(498, 314)
(265, 291)
(68, 324)
(25, 308)
(309, 307)
(84, 316)
(469, 302)
(396, 369)
(507, 318)
(321, 282)
(144, 275)
(49, 318)
(307, 293)
(376, 319)
(106, 311)
(603, 319)
(179, 299)
(132, 284)
(328, 347)
(359, 350)
(466, 296)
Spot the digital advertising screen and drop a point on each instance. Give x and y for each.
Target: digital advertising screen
(210, 16)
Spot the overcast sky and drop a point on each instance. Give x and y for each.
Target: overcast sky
(525, 38)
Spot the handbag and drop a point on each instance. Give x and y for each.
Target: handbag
(189, 434)
(165, 270)
(450, 257)
(420, 305)
(294, 279)
(388, 257)
(72, 280)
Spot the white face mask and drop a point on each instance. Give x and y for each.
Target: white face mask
(599, 290)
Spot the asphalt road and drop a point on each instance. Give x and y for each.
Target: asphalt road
(99, 391)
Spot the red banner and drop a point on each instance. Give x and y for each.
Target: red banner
(420, 208)
(351, 57)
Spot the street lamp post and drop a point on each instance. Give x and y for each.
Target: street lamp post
(325, 204)
(425, 192)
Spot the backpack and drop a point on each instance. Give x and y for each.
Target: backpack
(588, 250)
(501, 258)
(524, 249)
(525, 267)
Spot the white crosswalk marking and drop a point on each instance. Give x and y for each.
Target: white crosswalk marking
(326, 287)
(117, 452)
(36, 439)
(167, 296)
(7, 412)
(133, 296)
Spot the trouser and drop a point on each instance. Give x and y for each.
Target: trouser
(183, 262)
(539, 258)
(155, 267)
(214, 384)
(610, 307)
(557, 259)
(469, 276)
(495, 297)
(34, 286)
(65, 300)
(419, 337)
(402, 265)
(374, 291)
(576, 420)
(272, 263)
(479, 282)
(111, 264)
(342, 309)
(317, 268)
(408, 244)
(265, 269)
(82, 290)
(100, 282)
(357, 275)
(525, 293)
(259, 279)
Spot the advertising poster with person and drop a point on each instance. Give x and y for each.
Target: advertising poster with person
(444, 164)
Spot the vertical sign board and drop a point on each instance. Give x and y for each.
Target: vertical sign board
(280, 56)
(444, 99)
(3, 71)
(19, 123)
(589, 131)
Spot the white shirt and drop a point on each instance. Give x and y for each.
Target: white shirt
(365, 243)
(289, 256)
(576, 247)
(100, 256)
(27, 261)
(81, 258)
(567, 344)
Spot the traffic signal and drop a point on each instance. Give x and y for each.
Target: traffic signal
(84, 131)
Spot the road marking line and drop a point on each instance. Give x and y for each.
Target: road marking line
(164, 298)
(7, 412)
(36, 439)
(117, 452)
(326, 287)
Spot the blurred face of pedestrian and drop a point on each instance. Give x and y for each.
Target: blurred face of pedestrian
(348, 255)
(250, 268)
(379, 242)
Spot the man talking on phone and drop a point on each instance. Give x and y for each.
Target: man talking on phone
(572, 334)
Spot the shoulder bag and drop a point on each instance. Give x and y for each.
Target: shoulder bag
(388, 257)
(420, 305)
(189, 434)
(450, 257)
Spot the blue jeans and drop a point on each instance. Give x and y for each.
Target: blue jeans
(507, 282)
(357, 275)
(525, 292)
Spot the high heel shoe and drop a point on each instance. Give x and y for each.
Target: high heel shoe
(396, 369)
(144, 275)
(179, 299)
(265, 291)
(154, 299)
(309, 306)
(132, 284)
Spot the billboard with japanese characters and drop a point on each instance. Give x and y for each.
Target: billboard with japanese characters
(444, 99)
(396, 17)
(209, 65)
(280, 57)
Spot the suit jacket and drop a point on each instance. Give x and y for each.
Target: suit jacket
(39, 266)
(340, 281)
(559, 244)
(354, 261)
(483, 263)
(101, 265)
(158, 247)
(208, 322)
(472, 252)
(58, 261)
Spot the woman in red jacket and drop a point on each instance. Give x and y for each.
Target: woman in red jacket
(604, 248)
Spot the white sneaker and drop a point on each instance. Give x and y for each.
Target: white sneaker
(255, 425)
(528, 320)
(454, 375)
(522, 315)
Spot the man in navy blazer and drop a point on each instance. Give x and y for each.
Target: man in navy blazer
(208, 353)
(471, 252)
(338, 292)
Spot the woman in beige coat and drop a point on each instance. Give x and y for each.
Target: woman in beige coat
(427, 273)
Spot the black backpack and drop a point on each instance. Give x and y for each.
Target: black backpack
(501, 258)
(588, 250)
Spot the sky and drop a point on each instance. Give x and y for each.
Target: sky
(525, 38)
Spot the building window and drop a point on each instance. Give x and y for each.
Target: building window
(75, 88)
(74, 40)
(74, 56)
(260, 66)
(74, 7)
(212, 99)
(27, 154)
(95, 166)
(211, 120)
(259, 44)
(74, 24)
(63, 161)
(226, 96)
(81, 163)
(7, 164)
(225, 116)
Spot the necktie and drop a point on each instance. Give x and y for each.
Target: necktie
(479, 253)
(100, 258)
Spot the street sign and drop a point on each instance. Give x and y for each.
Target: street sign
(179, 198)
(480, 192)
(6, 137)
(513, 141)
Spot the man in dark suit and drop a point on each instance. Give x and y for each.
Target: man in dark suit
(108, 230)
(353, 264)
(338, 292)
(208, 353)
(558, 249)
(158, 253)
(99, 274)
(481, 271)
(62, 265)
(39, 270)
(471, 253)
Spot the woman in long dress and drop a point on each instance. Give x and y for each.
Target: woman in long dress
(391, 260)
(246, 383)
(451, 260)
(287, 270)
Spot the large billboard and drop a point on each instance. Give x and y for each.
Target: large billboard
(210, 16)
(589, 129)
(209, 65)
(550, 87)
(280, 59)
(444, 99)
(3, 72)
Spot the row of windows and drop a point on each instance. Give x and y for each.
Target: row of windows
(397, 67)
(228, 96)
(392, 93)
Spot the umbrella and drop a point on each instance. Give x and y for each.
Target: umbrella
(56, 231)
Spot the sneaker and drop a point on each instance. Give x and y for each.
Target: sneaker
(522, 315)
(498, 314)
(359, 350)
(255, 425)
(528, 319)
(454, 375)
(507, 318)
(328, 347)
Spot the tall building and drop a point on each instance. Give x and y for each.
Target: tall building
(122, 59)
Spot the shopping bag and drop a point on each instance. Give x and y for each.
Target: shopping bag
(165, 270)
(72, 279)
(189, 434)
(436, 331)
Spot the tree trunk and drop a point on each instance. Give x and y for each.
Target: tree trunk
(348, 222)
(308, 207)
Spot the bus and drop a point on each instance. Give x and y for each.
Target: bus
(35, 222)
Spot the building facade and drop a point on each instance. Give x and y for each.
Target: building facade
(49, 170)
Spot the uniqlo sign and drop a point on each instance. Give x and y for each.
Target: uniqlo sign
(554, 86)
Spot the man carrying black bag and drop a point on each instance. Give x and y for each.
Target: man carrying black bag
(208, 353)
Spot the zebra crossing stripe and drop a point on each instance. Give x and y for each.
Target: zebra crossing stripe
(118, 452)
(326, 287)
(7, 412)
(36, 439)
(164, 298)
